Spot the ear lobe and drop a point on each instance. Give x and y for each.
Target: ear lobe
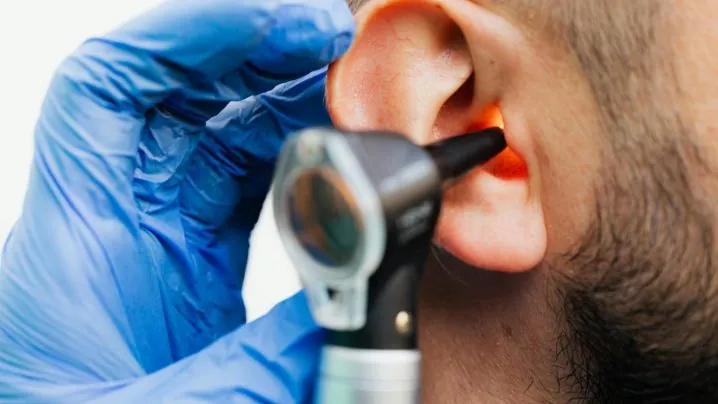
(412, 71)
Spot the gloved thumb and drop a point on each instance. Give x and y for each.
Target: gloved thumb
(271, 360)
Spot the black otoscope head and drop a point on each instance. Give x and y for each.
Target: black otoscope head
(456, 156)
(357, 213)
(409, 181)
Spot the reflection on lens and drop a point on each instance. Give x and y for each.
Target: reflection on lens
(322, 217)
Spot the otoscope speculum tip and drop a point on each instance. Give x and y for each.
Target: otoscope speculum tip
(457, 155)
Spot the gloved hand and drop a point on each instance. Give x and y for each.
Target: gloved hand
(121, 282)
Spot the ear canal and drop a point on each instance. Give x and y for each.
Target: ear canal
(410, 71)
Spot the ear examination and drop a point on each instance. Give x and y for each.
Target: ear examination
(579, 264)
(472, 201)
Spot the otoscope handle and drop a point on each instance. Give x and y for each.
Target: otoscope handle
(362, 376)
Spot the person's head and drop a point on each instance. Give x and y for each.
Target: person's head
(598, 242)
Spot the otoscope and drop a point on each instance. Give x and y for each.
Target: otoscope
(356, 213)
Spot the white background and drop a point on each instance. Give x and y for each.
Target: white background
(35, 35)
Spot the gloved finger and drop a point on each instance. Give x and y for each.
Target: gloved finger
(244, 137)
(271, 360)
(233, 167)
(98, 100)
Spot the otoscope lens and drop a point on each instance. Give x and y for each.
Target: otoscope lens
(323, 217)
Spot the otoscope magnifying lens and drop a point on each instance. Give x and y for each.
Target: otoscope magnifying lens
(323, 217)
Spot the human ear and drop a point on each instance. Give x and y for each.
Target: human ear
(431, 69)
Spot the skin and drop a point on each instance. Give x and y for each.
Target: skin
(579, 267)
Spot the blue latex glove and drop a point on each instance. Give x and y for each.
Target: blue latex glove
(122, 280)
